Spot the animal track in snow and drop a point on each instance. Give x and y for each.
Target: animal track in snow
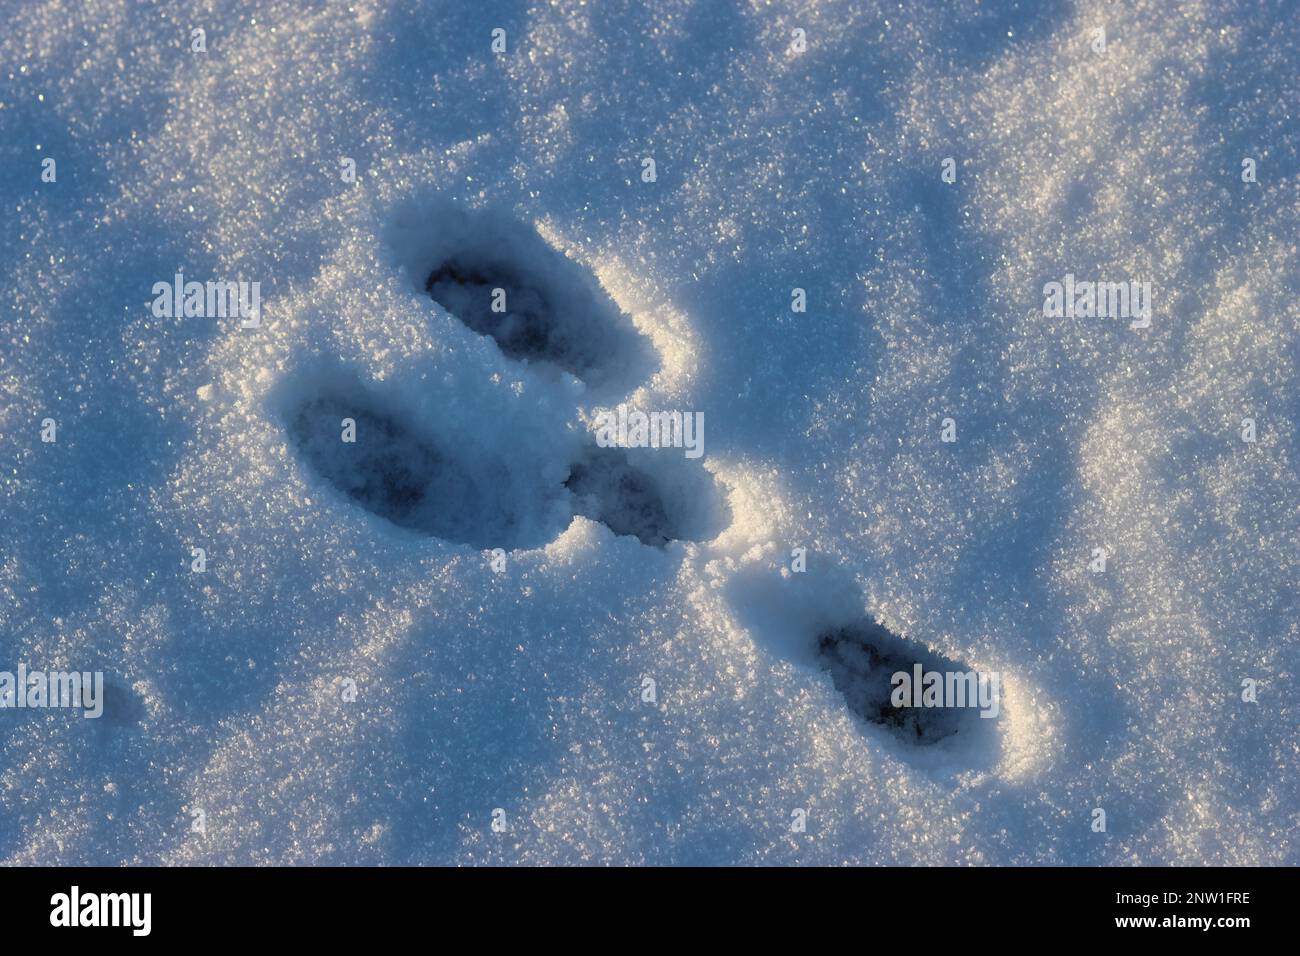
(387, 470)
(524, 326)
(815, 620)
(503, 280)
(608, 488)
(394, 471)
(555, 314)
(862, 658)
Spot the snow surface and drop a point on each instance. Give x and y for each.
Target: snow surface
(522, 690)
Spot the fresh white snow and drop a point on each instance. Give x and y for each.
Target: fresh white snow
(517, 681)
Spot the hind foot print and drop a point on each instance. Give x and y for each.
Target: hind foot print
(388, 467)
(895, 683)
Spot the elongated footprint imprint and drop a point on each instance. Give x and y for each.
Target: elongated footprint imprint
(863, 658)
(810, 619)
(503, 280)
(393, 470)
(390, 469)
(523, 325)
(924, 700)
